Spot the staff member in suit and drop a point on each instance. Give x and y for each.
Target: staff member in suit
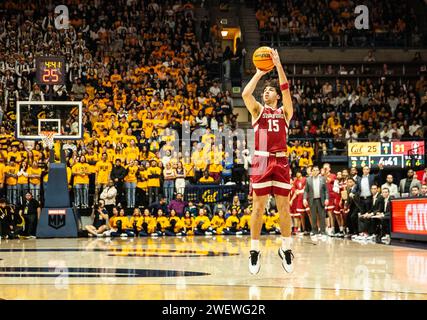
(406, 184)
(317, 197)
(352, 207)
(383, 217)
(366, 226)
(364, 185)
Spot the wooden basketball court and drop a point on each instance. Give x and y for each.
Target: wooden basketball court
(207, 268)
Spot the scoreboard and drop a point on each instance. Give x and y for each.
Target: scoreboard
(50, 70)
(400, 154)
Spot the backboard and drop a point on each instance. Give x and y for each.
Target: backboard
(63, 117)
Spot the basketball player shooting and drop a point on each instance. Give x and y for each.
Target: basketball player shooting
(270, 166)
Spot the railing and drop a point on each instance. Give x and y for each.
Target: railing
(353, 71)
(354, 39)
(210, 194)
(354, 68)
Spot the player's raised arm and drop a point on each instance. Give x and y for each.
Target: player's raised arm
(252, 105)
(284, 85)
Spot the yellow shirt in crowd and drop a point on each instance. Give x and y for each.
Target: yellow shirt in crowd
(11, 181)
(103, 170)
(33, 171)
(132, 171)
(154, 181)
(81, 173)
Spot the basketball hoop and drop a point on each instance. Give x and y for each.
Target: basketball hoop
(48, 138)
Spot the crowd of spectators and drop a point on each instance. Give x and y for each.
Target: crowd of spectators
(179, 218)
(332, 23)
(141, 72)
(329, 115)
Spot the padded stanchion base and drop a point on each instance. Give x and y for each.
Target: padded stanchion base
(57, 223)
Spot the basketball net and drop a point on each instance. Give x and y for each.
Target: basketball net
(48, 138)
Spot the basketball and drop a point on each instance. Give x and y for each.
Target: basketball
(262, 59)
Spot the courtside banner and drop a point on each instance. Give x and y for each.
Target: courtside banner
(409, 218)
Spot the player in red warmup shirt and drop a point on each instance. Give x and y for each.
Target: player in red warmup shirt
(330, 179)
(270, 172)
(343, 193)
(339, 187)
(293, 206)
(299, 210)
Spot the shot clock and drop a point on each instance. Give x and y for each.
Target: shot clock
(399, 154)
(50, 70)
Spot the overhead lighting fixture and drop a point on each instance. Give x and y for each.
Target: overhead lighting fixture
(224, 33)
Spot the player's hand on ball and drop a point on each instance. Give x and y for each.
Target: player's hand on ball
(261, 72)
(275, 57)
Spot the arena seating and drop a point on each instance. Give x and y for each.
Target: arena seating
(331, 23)
(142, 71)
(139, 62)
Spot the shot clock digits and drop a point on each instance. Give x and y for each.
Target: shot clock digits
(50, 70)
